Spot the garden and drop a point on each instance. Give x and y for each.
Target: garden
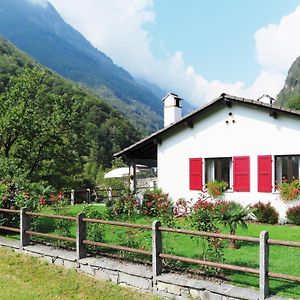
(212, 216)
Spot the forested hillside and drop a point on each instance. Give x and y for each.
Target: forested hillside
(289, 96)
(52, 130)
(42, 33)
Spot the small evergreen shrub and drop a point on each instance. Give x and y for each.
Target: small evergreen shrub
(265, 213)
(293, 214)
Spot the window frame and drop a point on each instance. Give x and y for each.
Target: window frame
(278, 176)
(212, 177)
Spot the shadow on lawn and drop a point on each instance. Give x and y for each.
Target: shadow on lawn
(283, 286)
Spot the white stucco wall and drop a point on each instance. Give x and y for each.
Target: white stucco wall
(249, 132)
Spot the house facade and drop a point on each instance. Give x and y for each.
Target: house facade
(251, 145)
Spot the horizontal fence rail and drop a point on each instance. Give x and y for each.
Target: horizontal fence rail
(13, 211)
(284, 243)
(117, 247)
(210, 234)
(209, 263)
(51, 216)
(156, 253)
(10, 229)
(123, 224)
(51, 236)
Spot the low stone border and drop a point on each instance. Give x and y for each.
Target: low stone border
(138, 276)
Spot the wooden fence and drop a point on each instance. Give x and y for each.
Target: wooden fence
(156, 253)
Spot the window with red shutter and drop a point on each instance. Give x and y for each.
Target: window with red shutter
(196, 174)
(241, 174)
(264, 167)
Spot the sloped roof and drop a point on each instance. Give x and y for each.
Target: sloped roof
(147, 147)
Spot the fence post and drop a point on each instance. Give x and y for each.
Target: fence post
(80, 236)
(263, 265)
(88, 196)
(25, 222)
(72, 197)
(156, 250)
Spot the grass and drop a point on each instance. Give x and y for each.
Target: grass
(24, 277)
(285, 260)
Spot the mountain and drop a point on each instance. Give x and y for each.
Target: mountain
(100, 129)
(42, 33)
(289, 96)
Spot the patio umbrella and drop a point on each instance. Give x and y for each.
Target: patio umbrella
(117, 173)
(121, 172)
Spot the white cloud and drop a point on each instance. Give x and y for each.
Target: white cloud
(117, 28)
(277, 45)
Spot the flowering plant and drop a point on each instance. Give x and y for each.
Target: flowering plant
(289, 190)
(216, 188)
(155, 203)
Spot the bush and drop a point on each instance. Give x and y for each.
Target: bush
(203, 218)
(289, 190)
(95, 232)
(126, 204)
(293, 214)
(265, 213)
(11, 197)
(156, 203)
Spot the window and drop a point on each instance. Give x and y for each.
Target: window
(287, 167)
(218, 169)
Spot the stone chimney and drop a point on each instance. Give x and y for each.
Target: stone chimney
(172, 109)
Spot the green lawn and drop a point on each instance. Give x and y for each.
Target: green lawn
(24, 277)
(284, 260)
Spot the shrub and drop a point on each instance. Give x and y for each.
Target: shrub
(203, 218)
(126, 204)
(11, 197)
(293, 214)
(289, 190)
(265, 213)
(95, 232)
(216, 188)
(156, 203)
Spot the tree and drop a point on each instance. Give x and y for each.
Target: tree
(41, 132)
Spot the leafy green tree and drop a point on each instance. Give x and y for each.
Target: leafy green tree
(41, 132)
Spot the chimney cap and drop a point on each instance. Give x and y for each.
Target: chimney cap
(173, 95)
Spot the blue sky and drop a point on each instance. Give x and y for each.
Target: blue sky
(196, 48)
(216, 36)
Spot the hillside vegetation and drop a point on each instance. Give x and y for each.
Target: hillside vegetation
(289, 96)
(51, 130)
(42, 33)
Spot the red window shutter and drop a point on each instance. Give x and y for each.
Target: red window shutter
(196, 174)
(241, 173)
(264, 176)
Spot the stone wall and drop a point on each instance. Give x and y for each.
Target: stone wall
(169, 286)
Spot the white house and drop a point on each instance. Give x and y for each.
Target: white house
(250, 144)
